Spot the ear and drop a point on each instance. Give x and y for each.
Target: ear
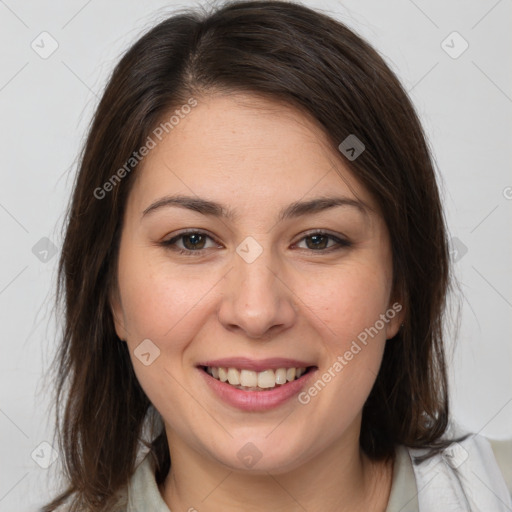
(117, 311)
(396, 315)
(396, 312)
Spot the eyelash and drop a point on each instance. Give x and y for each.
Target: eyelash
(170, 244)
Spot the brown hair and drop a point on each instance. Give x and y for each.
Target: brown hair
(290, 53)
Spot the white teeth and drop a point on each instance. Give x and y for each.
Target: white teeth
(223, 374)
(281, 376)
(266, 379)
(233, 376)
(250, 380)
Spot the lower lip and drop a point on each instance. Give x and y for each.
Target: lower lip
(256, 400)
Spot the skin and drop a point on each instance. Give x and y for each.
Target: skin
(256, 156)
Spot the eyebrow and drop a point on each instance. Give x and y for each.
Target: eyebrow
(293, 210)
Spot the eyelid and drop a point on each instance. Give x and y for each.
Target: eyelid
(189, 231)
(340, 240)
(319, 231)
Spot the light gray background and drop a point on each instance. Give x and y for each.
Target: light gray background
(46, 104)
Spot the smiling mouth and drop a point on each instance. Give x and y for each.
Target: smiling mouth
(250, 380)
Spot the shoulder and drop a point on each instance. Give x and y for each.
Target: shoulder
(120, 505)
(143, 492)
(139, 494)
(502, 451)
(465, 473)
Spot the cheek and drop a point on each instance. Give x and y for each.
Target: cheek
(352, 352)
(349, 306)
(159, 299)
(348, 300)
(167, 306)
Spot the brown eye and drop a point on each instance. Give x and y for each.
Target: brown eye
(193, 241)
(319, 241)
(190, 243)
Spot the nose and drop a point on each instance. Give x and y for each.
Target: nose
(257, 300)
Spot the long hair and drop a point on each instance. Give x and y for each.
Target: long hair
(286, 52)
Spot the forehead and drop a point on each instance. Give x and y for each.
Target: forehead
(245, 151)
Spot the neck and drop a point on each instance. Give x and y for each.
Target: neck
(339, 479)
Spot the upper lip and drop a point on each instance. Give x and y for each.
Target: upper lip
(258, 365)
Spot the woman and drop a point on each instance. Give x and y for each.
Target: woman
(255, 271)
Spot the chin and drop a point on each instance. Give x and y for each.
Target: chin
(260, 455)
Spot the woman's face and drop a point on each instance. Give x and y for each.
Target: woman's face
(255, 287)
